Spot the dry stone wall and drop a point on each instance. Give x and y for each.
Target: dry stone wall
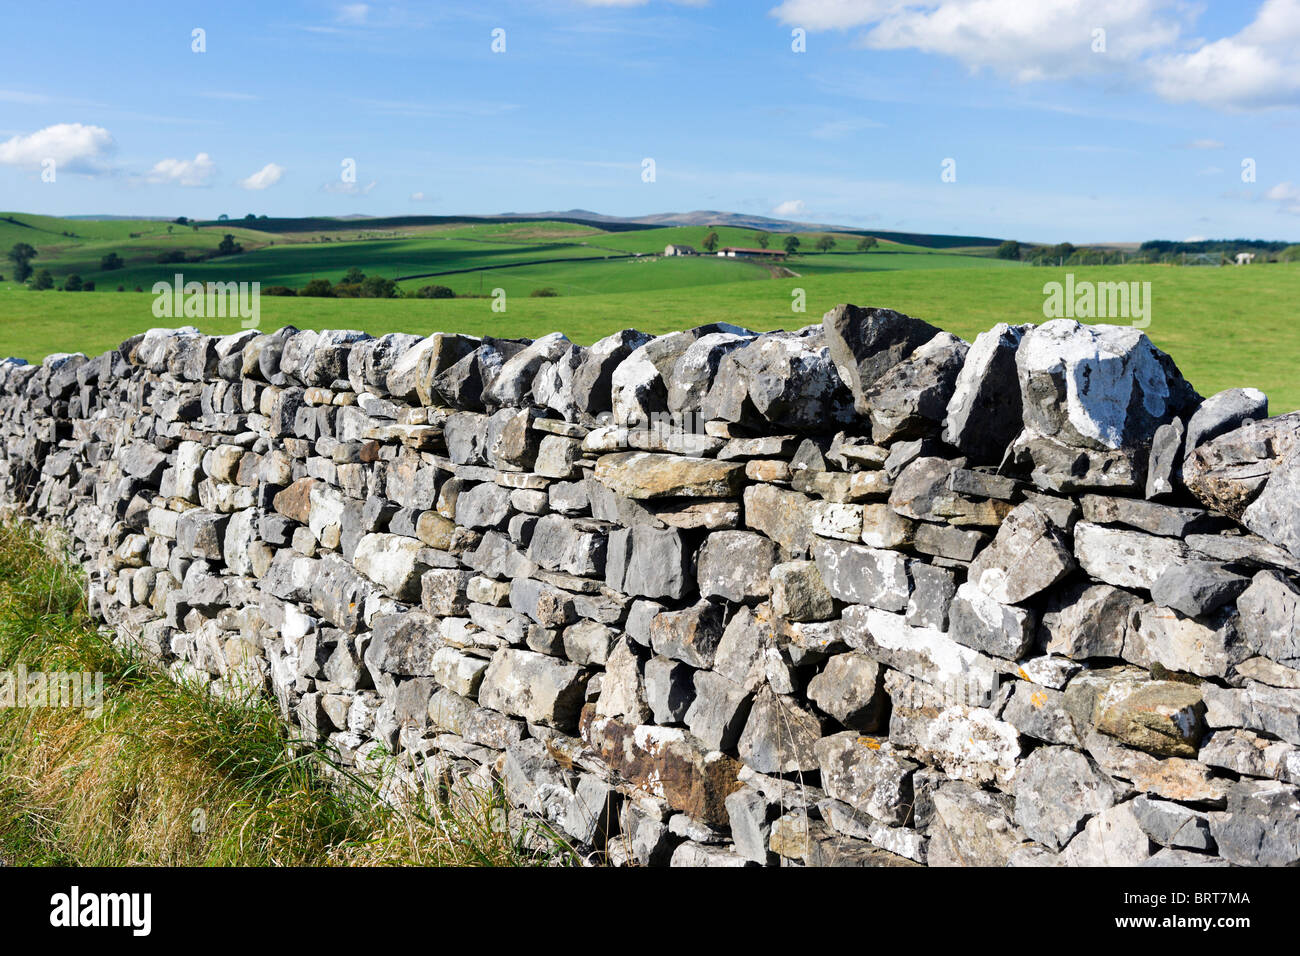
(858, 594)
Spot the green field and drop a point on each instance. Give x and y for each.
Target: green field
(1225, 327)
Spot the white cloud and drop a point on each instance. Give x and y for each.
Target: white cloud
(791, 207)
(1194, 239)
(1145, 40)
(354, 13)
(72, 146)
(832, 14)
(1257, 68)
(265, 177)
(419, 197)
(183, 172)
(1287, 195)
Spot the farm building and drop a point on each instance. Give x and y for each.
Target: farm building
(1245, 258)
(736, 252)
(676, 250)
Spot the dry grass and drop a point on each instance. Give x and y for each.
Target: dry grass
(168, 774)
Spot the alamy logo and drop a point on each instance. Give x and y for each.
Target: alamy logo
(22, 688)
(74, 909)
(208, 300)
(1098, 300)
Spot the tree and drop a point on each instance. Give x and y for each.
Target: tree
(378, 287)
(434, 292)
(867, 243)
(320, 288)
(44, 280)
(169, 230)
(353, 276)
(110, 262)
(1009, 250)
(72, 283)
(762, 238)
(228, 246)
(223, 218)
(791, 244)
(825, 244)
(21, 255)
(250, 218)
(180, 220)
(710, 241)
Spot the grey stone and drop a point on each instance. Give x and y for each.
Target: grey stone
(1261, 826)
(1057, 789)
(850, 689)
(866, 343)
(736, 565)
(868, 775)
(984, 412)
(860, 575)
(988, 625)
(1270, 618)
(1171, 824)
(1165, 466)
(670, 689)
(718, 713)
(1197, 588)
(648, 562)
(1029, 555)
(911, 399)
(1223, 412)
(540, 689)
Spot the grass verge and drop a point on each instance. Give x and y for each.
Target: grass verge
(168, 774)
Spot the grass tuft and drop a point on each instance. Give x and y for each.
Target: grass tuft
(169, 774)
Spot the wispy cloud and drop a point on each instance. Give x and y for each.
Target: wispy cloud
(264, 178)
(183, 172)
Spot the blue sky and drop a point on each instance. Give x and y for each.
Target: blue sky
(1051, 139)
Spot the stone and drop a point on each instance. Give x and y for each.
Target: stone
(1197, 588)
(867, 774)
(512, 385)
(1112, 838)
(670, 689)
(1261, 826)
(1272, 515)
(443, 591)
(623, 691)
(1149, 516)
(883, 527)
(1227, 473)
(1270, 618)
(860, 575)
(394, 562)
(933, 589)
(750, 815)
(644, 475)
(850, 689)
(1207, 647)
(735, 565)
(780, 380)
(971, 827)
(718, 713)
(1171, 824)
(1223, 412)
(667, 763)
(1165, 465)
(798, 592)
(649, 562)
(1123, 558)
(1028, 555)
(1249, 754)
(540, 689)
(1159, 717)
(485, 505)
(1057, 789)
(1088, 620)
(1040, 712)
(690, 635)
(1256, 706)
(638, 383)
(1102, 387)
(572, 545)
(911, 399)
(920, 652)
(779, 735)
(984, 411)
(866, 343)
(988, 625)
(782, 515)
